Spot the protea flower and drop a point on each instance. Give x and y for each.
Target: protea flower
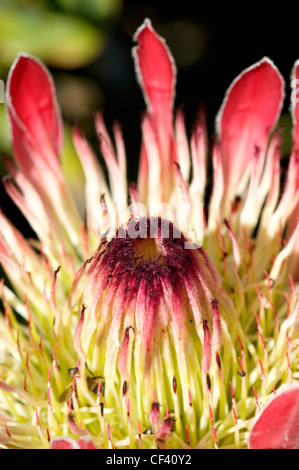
(167, 317)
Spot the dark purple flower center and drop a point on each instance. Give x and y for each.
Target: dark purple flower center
(150, 249)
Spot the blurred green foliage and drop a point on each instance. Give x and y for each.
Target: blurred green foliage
(64, 34)
(4, 138)
(95, 9)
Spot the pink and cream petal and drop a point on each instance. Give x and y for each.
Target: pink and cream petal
(156, 74)
(248, 114)
(34, 114)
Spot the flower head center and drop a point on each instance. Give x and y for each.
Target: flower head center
(148, 249)
(152, 245)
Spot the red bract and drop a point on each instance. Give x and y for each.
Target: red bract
(68, 443)
(156, 74)
(277, 427)
(293, 173)
(36, 133)
(34, 115)
(63, 443)
(249, 112)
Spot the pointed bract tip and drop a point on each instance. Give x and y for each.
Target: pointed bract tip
(264, 61)
(155, 70)
(146, 24)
